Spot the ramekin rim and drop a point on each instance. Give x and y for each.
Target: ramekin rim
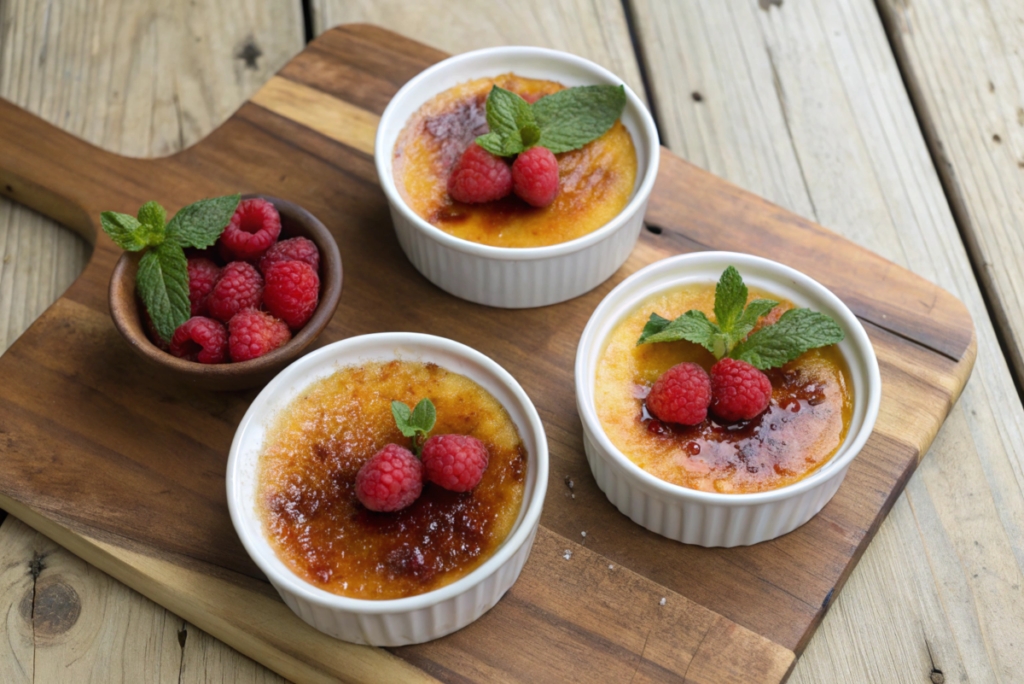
(382, 155)
(833, 468)
(246, 527)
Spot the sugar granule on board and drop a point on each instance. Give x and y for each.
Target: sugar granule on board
(567, 555)
(662, 601)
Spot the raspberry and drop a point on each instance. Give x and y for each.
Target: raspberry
(479, 176)
(391, 480)
(200, 339)
(202, 276)
(240, 287)
(253, 333)
(251, 231)
(739, 391)
(294, 249)
(292, 291)
(681, 395)
(535, 176)
(455, 462)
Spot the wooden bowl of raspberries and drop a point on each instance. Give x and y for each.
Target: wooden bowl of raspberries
(260, 288)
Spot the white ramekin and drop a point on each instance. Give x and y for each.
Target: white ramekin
(711, 518)
(414, 619)
(499, 276)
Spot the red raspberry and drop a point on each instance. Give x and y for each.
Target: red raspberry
(251, 231)
(455, 462)
(253, 333)
(479, 176)
(292, 291)
(200, 339)
(240, 287)
(739, 391)
(391, 480)
(202, 276)
(294, 249)
(681, 395)
(535, 176)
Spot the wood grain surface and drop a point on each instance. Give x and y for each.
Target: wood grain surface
(145, 79)
(805, 104)
(757, 591)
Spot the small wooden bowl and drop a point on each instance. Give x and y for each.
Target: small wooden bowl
(125, 309)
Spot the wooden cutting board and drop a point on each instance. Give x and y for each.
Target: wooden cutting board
(115, 461)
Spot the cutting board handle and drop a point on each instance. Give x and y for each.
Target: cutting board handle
(60, 175)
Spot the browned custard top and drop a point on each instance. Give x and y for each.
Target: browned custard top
(806, 421)
(306, 491)
(595, 181)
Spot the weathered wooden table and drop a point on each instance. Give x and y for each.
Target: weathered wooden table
(899, 125)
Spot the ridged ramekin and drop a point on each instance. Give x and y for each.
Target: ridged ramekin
(415, 619)
(712, 518)
(506, 277)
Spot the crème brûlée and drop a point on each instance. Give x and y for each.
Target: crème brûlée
(805, 423)
(306, 487)
(595, 181)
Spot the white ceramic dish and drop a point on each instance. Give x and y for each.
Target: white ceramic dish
(498, 276)
(414, 619)
(711, 518)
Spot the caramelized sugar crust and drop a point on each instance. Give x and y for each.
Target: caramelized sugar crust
(806, 422)
(595, 181)
(307, 476)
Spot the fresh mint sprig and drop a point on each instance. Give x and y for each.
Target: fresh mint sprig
(415, 423)
(162, 278)
(562, 121)
(796, 332)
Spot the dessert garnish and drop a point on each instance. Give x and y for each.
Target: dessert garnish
(393, 478)
(738, 389)
(532, 133)
(203, 296)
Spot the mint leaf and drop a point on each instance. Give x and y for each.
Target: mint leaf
(200, 224)
(730, 298)
(162, 283)
(403, 418)
(154, 217)
(797, 331)
(508, 116)
(692, 326)
(129, 234)
(529, 135)
(424, 416)
(747, 320)
(571, 118)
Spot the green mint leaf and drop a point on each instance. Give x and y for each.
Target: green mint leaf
(154, 216)
(403, 418)
(730, 298)
(797, 331)
(508, 115)
(748, 319)
(493, 143)
(571, 118)
(129, 234)
(529, 135)
(162, 283)
(424, 416)
(692, 326)
(200, 224)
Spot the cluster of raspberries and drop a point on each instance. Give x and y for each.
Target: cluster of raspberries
(393, 479)
(479, 176)
(684, 393)
(264, 291)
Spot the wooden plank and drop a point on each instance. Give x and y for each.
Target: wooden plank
(595, 29)
(145, 80)
(168, 447)
(803, 103)
(965, 76)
